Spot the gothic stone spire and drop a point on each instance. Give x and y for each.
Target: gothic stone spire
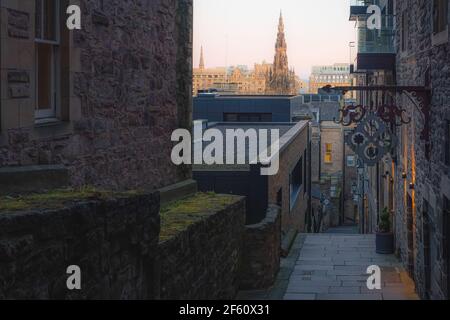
(280, 82)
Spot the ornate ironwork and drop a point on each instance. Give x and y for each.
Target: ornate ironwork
(371, 140)
(351, 115)
(394, 115)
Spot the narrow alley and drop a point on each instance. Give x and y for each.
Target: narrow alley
(333, 266)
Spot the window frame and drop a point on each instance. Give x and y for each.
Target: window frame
(328, 156)
(440, 32)
(294, 193)
(43, 114)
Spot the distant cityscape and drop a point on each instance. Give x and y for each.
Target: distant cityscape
(268, 78)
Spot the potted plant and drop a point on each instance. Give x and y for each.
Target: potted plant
(384, 235)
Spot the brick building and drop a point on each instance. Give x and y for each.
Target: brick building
(97, 102)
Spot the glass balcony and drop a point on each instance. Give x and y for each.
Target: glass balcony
(373, 41)
(377, 41)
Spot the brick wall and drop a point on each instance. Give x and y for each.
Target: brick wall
(292, 215)
(430, 176)
(125, 86)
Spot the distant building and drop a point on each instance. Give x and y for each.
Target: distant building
(222, 108)
(263, 79)
(333, 169)
(337, 74)
(303, 86)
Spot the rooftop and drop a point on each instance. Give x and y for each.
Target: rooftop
(287, 133)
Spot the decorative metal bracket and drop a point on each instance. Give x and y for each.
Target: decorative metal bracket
(396, 116)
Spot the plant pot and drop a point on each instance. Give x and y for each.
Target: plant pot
(385, 242)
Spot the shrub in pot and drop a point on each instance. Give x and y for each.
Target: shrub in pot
(384, 235)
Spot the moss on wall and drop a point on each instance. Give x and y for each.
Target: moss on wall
(56, 198)
(179, 215)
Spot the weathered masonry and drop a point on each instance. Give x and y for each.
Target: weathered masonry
(98, 101)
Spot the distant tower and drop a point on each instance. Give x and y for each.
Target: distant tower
(202, 60)
(280, 81)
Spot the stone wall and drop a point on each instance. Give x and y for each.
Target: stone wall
(262, 251)
(125, 86)
(114, 243)
(431, 177)
(203, 262)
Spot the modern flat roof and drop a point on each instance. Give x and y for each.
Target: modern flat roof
(288, 132)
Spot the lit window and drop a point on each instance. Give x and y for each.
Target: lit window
(328, 153)
(47, 57)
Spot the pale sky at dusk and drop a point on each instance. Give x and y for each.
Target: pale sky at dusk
(243, 32)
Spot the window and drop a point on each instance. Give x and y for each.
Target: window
(305, 169)
(328, 153)
(351, 161)
(280, 198)
(440, 16)
(47, 57)
(247, 117)
(296, 182)
(447, 143)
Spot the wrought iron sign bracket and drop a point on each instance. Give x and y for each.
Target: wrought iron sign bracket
(420, 96)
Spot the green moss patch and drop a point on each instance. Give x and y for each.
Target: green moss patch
(56, 199)
(179, 215)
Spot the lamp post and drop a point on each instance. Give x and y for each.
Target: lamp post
(361, 167)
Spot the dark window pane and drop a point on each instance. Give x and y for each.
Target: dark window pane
(44, 76)
(50, 19)
(38, 19)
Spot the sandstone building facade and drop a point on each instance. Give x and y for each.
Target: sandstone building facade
(97, 101)
(422, 203)
(413, 181)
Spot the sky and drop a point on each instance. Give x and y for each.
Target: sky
(243, 32)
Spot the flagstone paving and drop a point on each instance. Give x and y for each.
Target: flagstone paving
(333, 266)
